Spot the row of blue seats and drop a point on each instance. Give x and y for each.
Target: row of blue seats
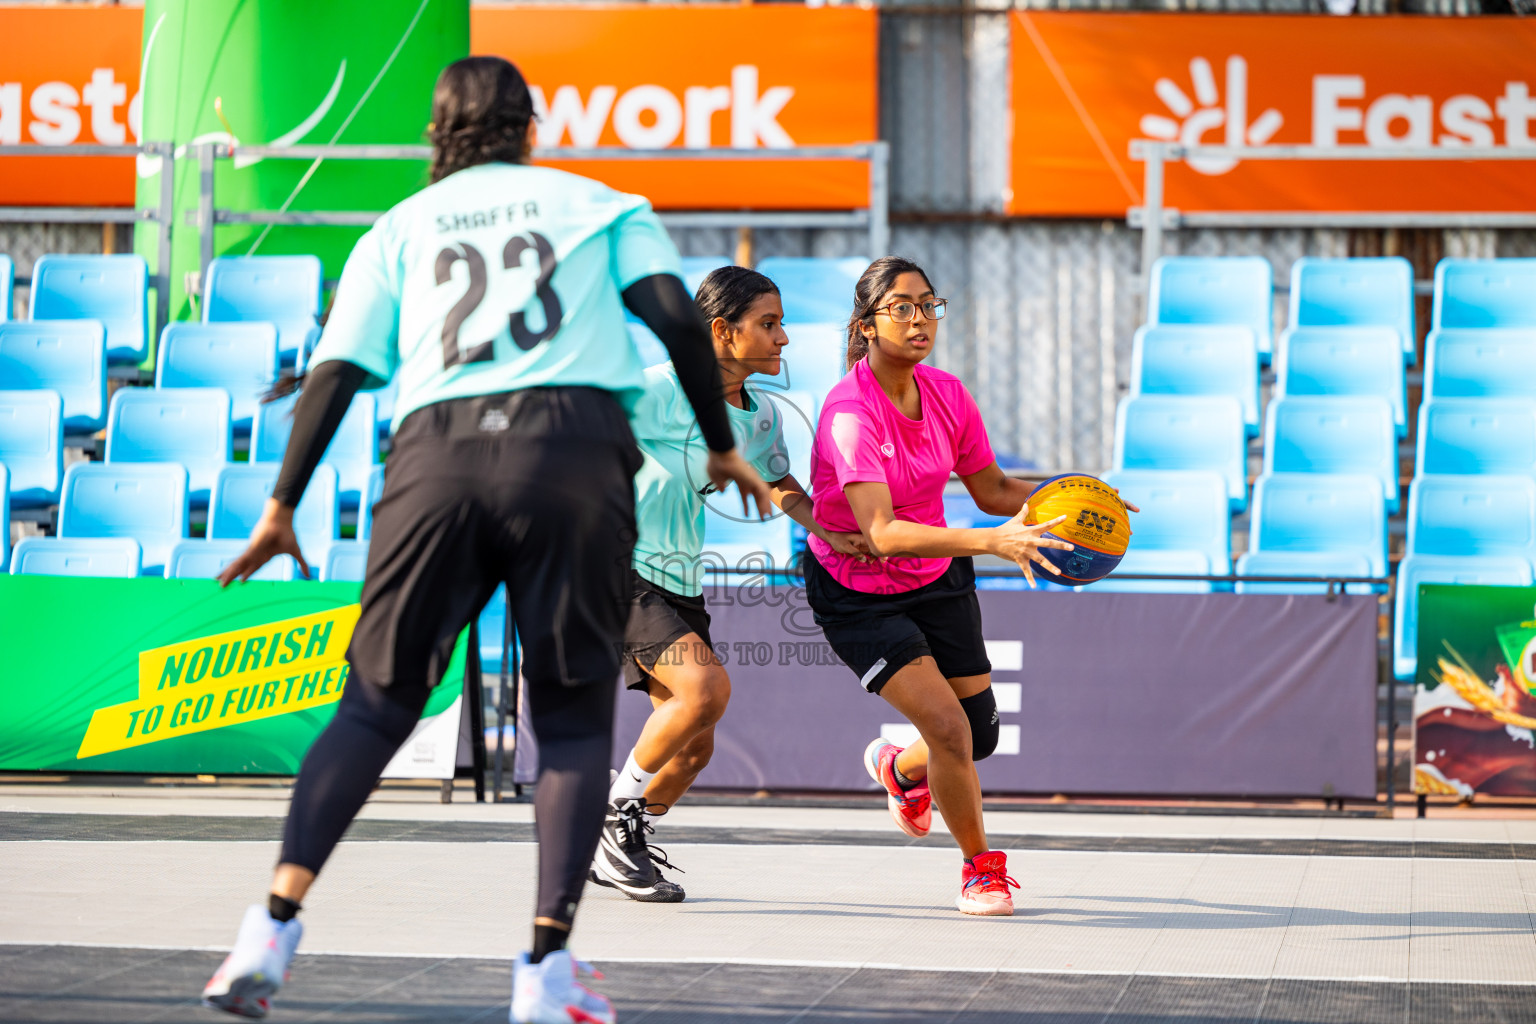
(286, 291)
(1327, 434)
(1375, 292)
(189, 426)
(1206, 359)
(113, 291)
(187, 560)
(149, 502)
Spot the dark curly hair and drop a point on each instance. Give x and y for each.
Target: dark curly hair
(481, 110)
(878, 278)
(730, 291)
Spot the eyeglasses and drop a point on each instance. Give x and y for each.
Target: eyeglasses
(905, 312)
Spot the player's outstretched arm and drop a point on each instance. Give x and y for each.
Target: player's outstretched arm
(327, 394)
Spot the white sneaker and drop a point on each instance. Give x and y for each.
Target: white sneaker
(548, 993)
(257, 967)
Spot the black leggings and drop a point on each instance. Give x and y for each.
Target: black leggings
(574, 726)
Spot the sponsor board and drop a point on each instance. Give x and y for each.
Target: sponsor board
(1086, 84)
(181, 676)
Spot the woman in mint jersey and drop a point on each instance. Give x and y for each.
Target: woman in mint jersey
(496, 297)
(668, 651)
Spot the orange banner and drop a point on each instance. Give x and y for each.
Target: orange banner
(1085, 85)
(68, 75)
(642, 76)
(663, 77)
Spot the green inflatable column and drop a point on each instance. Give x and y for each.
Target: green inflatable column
(283, 72)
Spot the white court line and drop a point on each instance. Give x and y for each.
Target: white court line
(840, 965)
(1029, 850)
(419, 822)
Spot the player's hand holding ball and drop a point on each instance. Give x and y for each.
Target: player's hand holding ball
(1020, 542)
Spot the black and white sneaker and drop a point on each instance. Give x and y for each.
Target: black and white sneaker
(627, 863)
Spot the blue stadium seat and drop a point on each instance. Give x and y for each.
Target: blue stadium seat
(365, 510)
(1333, 434)
(1486, 571)
(1343, 361)
(1309, 524)
(1375, 291)
(1480, 363)
(5, 516)
(240, 358)
(961, 513)
(1485, 436)
(1198, 359)
(345, 561)
(1485, 293)
(65, 356)
(76, 556)
(1152, 562)
(32, 446)
(354, 451)
(185, 425)
(7, 287)
(145, 501)
(111, 289)
(384, 405)
(742, 543)
(1181, 510)
(647, 345)
(1302, 563)
(205, 559)
(1461, 516)
(241, 493)
(493, 631)
(1215, 290)
(282, 290)
(814, 358)
(697, 268)
(815, 290)
(797, 416)
(1185, 432)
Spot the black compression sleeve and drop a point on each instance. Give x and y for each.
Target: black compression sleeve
(662, 301)
(324, 400)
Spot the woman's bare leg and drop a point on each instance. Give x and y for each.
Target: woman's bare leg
(931, 703)
(689, 692)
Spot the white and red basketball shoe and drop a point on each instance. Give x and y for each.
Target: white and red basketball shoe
(256, 968)
(548, 992)
(911, 809)
(984, 885)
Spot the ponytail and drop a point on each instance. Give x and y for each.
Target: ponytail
(878, 278)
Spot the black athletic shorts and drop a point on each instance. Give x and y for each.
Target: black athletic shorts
(876, 635)
(532, 488)
(658, 618)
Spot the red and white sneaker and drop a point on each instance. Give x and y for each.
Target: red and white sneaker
(548, 992)
(911, 809)
(984, 885)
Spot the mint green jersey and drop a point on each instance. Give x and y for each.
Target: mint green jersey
(498, 277)
(671, 485)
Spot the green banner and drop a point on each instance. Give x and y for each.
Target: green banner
(1475, 703)
(285, 73)
(175, 676)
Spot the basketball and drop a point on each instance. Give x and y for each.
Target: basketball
(1097, 526)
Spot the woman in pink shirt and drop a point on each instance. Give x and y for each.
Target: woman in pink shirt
(909, 624)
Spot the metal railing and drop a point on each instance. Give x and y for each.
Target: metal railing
(873, 218)
(161, 215)
(1154, 216)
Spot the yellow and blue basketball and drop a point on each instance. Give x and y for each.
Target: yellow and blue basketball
(1097, 526)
